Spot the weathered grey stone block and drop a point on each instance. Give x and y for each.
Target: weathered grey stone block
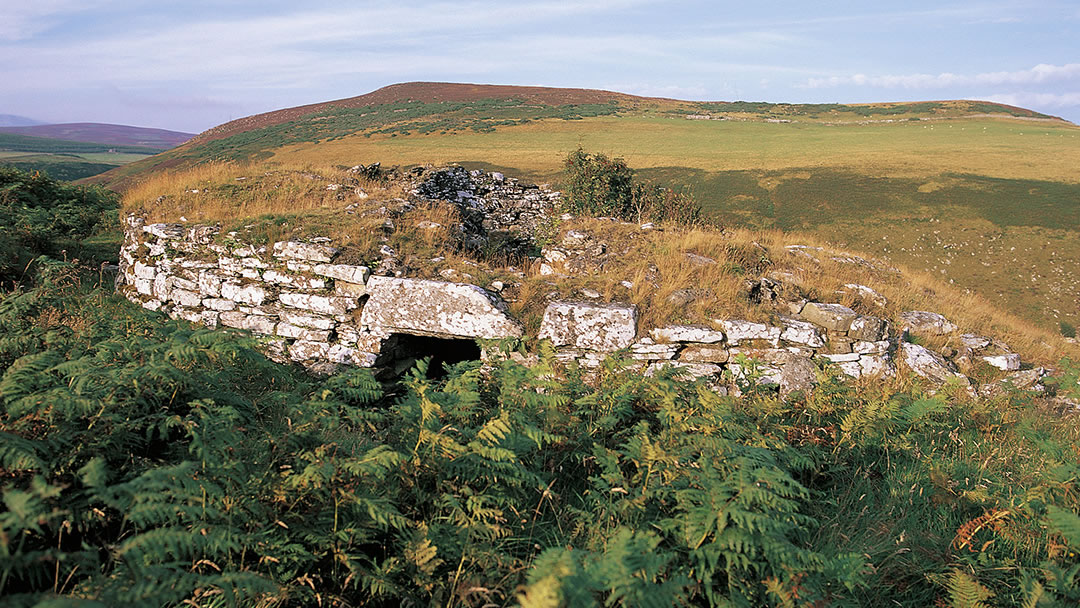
(925, 323)
(867, 329)
(833, 317)
(704, 353)
(310, 252)
(687, 333)
(927, 363)
(330, 305)
(739, 331)
(344, 272)
(248, 293)
(801, 332)
(602, 327)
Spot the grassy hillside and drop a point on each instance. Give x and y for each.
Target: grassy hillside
(985, 196)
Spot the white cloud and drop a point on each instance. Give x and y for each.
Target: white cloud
(1036, 100)
(1040, 74)
(22, 19)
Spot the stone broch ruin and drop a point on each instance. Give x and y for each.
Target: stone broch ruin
(309, 309)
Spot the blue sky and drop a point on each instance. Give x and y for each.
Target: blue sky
(191, 65)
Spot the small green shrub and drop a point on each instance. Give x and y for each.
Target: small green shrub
(1067, 329)
(600, 186)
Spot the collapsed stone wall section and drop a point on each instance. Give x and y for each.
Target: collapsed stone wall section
(306, 308)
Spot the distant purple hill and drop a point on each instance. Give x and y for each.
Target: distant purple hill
(12, 120)
(99, 133)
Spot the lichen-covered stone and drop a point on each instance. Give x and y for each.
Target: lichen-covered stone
(172, 232)
(687, 333)
(739, 331)
(249, 293)
(293, 280)
(1008, 362)
(649, 351)
(303, 350)
(801, 332)
(311, 252)
(867, 329)
(435, 308)
(704, 353)
(287, 330)
(306, 320)
(925, 323)
(184, 297)
(927, 363)
(353, 290)
(601, 327)
(144, 271)
(338, 353)
(840, 357)
(864, 347)
(797, 374)
(343, 272)
(330, 305)
(833, 317)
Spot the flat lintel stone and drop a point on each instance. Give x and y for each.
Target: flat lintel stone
(435, 308)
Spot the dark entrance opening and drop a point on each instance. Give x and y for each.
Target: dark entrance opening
(400, 352)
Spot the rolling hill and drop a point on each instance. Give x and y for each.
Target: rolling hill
(983, 195)
(101, 133)
(78, 150)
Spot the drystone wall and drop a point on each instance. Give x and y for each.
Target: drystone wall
(309, 308)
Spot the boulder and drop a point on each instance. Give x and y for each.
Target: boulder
(927, 363)
(925, 323)
(601, 327)
(833, 317)
(436, 308)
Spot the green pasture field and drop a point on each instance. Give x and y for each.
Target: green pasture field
(66, 160)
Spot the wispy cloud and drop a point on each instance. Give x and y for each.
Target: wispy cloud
(1043, 100)
(1040, 74)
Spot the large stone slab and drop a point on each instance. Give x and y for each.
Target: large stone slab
(435, 308)
(602, 327)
